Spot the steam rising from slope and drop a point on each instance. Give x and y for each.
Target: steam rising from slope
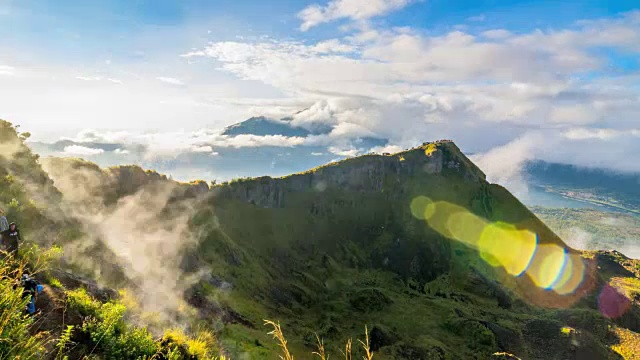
(9, 149)
(143, 234)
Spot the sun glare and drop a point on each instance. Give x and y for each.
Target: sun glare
(503, 245)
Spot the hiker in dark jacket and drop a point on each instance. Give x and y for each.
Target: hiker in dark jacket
(11, 238)
(30, 289)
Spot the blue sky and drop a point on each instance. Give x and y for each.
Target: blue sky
(490, 74)
(73, 31)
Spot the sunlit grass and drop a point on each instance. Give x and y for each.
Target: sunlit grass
(321, 353)
(629, 345)
(279, 336)
(630, 287)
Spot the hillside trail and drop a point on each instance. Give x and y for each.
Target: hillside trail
(53, 315)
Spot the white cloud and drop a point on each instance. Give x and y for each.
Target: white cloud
(353, 9)
(173, 143)
(99, 78)
(585, 133)
(89, 78)
(481, 89)
(350, 130)
(82, 150)
(496, 34)
(410, 86)
(202, 149)
(257, 141)
(170, 80)
(344, 152)
(388, 149)
(574, 114)
(503, 164)
(96, 136)
(67, 104)
(7, 70)
(333, 46)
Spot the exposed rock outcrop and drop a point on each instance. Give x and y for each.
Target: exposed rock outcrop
(369, 173)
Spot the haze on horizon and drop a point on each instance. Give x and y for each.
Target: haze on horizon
(514, 81)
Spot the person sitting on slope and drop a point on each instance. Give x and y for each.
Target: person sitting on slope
(11, 238)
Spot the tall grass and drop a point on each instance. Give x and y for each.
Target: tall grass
(347, 350)
(365, 345)
(105, 329)
(16, 341)
(282, 342)
(321, 353)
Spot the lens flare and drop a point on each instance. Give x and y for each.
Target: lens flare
(547, 265)
(466, 227)
(504, 245)
(422, 207)
(572, 275)
(611, 303)
(439, 214)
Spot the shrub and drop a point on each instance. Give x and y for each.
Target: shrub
(176, 342)
(65, 339)
(16, 342)
(104, 324)
(37, 259)
(79, 300)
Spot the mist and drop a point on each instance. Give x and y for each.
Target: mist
(504, 165)
(143, 234)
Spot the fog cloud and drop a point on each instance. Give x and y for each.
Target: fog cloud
(145, 234)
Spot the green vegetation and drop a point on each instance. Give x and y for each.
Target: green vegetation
(589, 229)
(330, 258)
(104, 324)
(16, 339)
(323, 252)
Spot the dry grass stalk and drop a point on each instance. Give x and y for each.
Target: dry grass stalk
(347, 350)
(365, 345)
(278, 335)
(320, 353)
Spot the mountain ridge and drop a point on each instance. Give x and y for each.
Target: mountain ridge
(418, 245)
(368, 170)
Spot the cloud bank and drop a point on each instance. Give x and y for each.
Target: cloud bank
(569, 88)
(483, 90)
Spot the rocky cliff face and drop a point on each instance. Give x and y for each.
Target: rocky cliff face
(357, 210)
(370, 173)
(350, 242)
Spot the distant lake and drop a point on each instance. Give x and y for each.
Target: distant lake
(538, 196)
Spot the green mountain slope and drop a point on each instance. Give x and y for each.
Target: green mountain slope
(347, 244)
(438, 263)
